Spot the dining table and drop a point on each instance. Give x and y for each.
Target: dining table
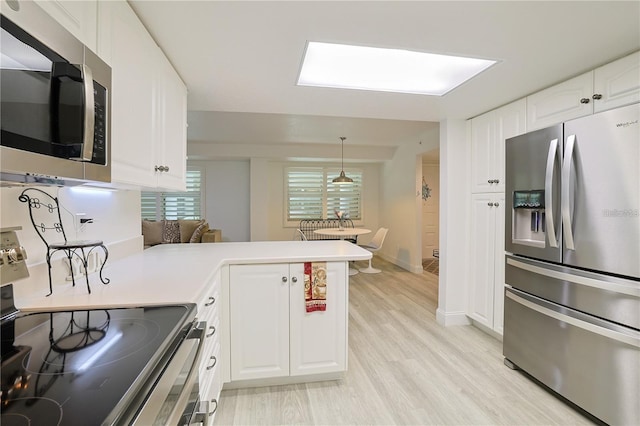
(343, 233)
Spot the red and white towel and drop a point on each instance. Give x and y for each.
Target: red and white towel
(315, 286)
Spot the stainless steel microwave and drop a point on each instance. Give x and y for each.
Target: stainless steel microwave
(55, 106)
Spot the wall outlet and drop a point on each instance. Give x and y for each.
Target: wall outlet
(79, 225)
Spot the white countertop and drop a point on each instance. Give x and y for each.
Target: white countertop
(178, 273)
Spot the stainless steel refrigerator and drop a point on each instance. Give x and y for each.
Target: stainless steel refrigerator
(572, 238)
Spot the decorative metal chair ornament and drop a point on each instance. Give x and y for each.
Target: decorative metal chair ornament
(44, 212)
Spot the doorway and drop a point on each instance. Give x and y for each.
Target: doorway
(430, 193)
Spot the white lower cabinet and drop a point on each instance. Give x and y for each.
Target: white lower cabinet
(210, 367)
(486, 289)
(272, 335)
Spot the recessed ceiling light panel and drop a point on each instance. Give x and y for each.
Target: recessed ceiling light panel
(388, 70)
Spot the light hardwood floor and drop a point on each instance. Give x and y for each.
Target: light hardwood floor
(405, 369)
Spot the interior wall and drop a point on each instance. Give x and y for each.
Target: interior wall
(227, 197)
(454, 223)
(116, 222)
(400, 203)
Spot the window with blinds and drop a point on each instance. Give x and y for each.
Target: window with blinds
(311, 194)
(176, 205)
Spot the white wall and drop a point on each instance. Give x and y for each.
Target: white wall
(400, 202)
(116, 217)
(454, 223)
(227, 197)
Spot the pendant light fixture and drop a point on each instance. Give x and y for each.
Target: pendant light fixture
(342, 179)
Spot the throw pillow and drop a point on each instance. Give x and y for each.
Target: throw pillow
(152, 232)
(171, 231)
(197, 234)
(187, 228)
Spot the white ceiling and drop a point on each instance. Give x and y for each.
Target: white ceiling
(243, 57)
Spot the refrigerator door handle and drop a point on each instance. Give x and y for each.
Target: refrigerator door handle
(631, 340)
(548, 195)
(566, 210)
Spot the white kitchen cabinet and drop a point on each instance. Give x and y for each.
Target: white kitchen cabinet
(272, 335)
(80, 18)
(488, 133)
(565, 101)
(148, 118)
(77, 17)
(486, 289)
(617, 83)
(609, 86)
(210, 368)
(171, 152)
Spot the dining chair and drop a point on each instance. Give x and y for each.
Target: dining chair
(373, 246)
(44, 212)
(298, 235)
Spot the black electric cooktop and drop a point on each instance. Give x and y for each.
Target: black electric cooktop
(82, 367)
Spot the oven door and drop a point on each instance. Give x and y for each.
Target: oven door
(175, 398)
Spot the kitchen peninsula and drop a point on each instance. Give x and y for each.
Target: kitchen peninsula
(251, 295)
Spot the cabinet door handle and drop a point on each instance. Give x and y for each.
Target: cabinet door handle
(490, 204)
(584, 100)
(496, 204)
(213, 331)
(294, 279)
(211, 301)
(215, 361)
(496, 181)
(490, 181)
(597, 96)
(284, 279)
(215, 406)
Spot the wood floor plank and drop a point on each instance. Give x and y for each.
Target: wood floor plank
(405, 369)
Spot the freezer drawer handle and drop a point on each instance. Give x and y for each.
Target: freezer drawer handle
(566, 210)
(548, 195)
(610, 334)
(576, 279)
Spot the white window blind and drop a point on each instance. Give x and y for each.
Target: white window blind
(312, 195)
(176, 205)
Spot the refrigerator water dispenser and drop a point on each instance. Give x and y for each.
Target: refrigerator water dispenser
(528, 218)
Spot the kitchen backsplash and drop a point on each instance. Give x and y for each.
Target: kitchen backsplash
(115, 219)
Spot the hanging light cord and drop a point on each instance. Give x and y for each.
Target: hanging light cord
(342, 138)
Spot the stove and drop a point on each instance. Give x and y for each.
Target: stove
(97, 366)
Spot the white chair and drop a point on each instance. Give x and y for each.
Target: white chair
(298, 235)
(373, 246)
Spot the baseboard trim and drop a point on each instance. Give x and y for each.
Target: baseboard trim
(416, 269)
(451, 318)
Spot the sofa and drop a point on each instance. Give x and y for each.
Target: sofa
(178, 231)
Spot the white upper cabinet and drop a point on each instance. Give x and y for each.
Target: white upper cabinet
(488, 133)
(132, 53)
(610, 86)
(565, 101)
(171, 152)
(148, 123)
(77, 17)
(617, 84)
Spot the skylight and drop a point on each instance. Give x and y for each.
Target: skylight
(389, 70)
